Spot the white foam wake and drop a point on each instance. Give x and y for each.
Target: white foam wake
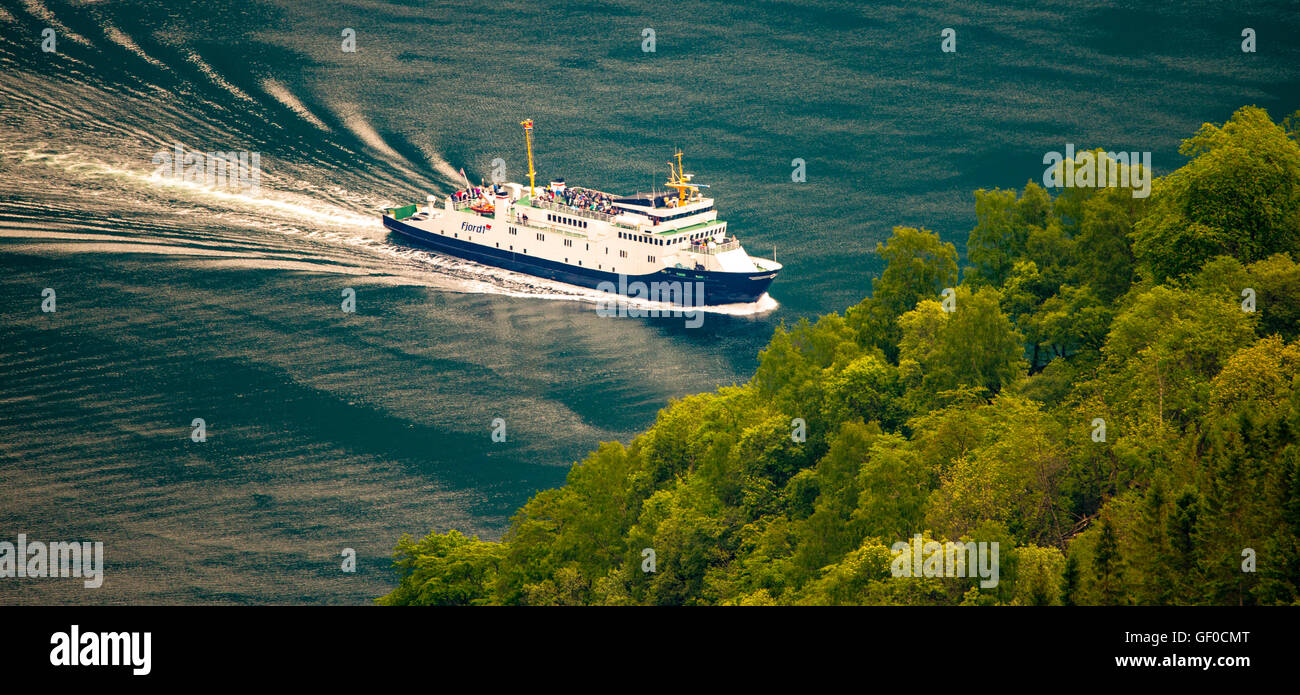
(40, 11)
(289, 209)
(355, 122)
(116, 36)
(282, 94)
(216, 78)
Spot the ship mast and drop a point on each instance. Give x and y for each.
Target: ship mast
(528, 139)
(679, 179)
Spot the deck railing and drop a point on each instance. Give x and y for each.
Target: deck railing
(580, 212)
(728, 245)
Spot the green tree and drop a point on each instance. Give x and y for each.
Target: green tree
(973, 346)
(1002, 230)
(1102, 248)
(1276, 281)
(1106, 563)
(1069, 581)
(893, 486)
(917, 266)
(443, 570)
(1013, 479)
(1239, 195)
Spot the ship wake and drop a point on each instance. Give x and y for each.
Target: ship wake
(79, 149)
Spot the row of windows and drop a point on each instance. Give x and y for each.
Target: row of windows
(665, 242)
(680, 215)
(565, 220)
(643, 238)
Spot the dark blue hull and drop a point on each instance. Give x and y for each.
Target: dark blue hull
(718, 288)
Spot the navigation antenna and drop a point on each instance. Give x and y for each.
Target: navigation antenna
(679, 179)
(528, 139)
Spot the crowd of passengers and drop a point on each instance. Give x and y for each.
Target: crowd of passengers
(468, 194)
(574, 197)
(580, 198)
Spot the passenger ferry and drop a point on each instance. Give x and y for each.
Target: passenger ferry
(590, 238)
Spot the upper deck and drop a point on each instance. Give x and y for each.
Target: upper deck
(659, 215)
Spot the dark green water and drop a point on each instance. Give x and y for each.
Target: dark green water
(329, 430)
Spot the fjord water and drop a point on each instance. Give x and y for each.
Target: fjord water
(328, 430)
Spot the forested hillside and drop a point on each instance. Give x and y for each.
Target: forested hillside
(1096, 396)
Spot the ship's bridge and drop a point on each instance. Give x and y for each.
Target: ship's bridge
(664, 209)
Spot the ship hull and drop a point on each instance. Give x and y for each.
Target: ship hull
(717, 288)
